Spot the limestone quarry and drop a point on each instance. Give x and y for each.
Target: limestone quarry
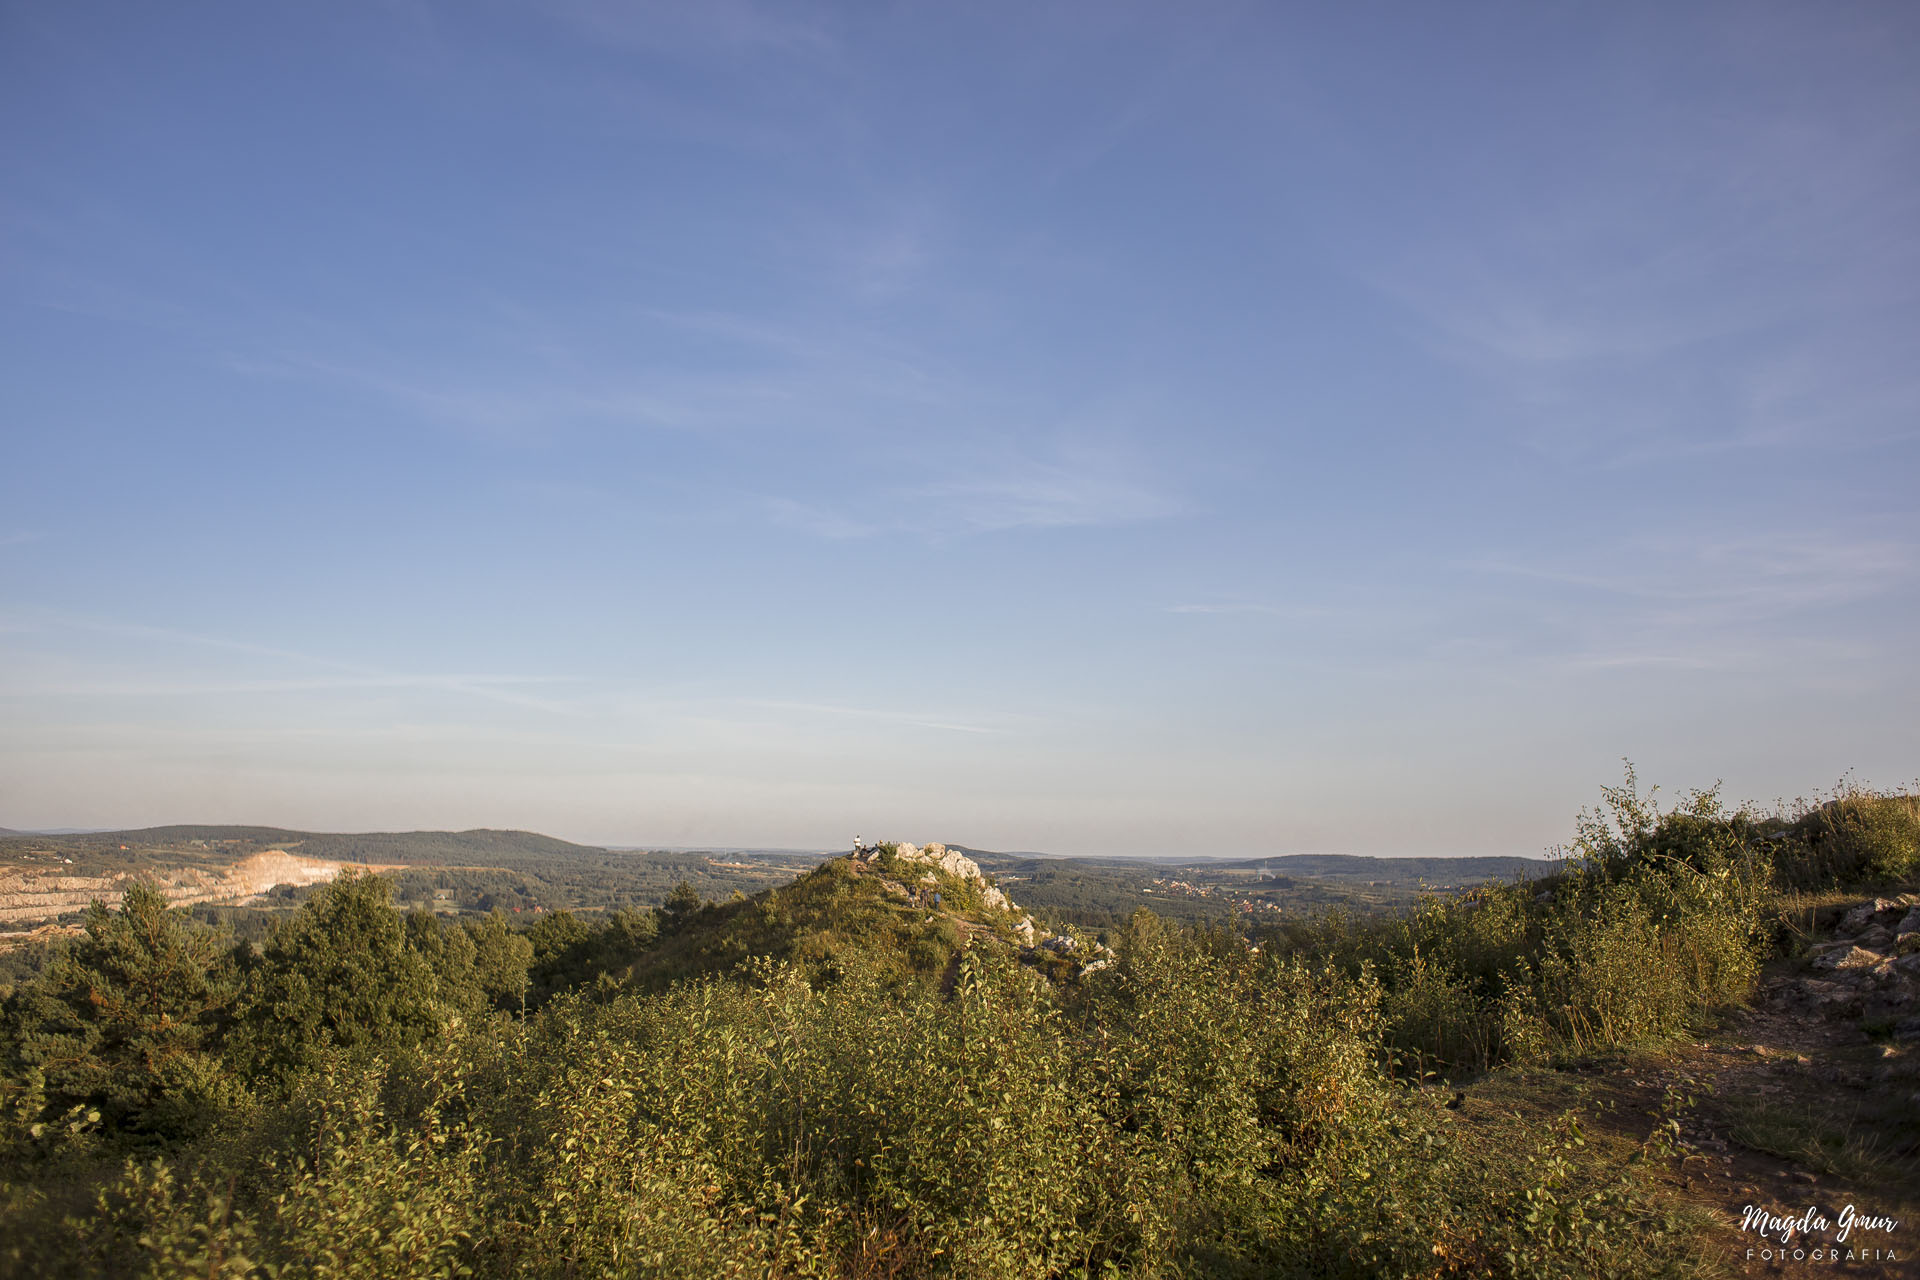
(30, 896)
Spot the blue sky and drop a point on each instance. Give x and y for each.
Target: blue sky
(1092, 428)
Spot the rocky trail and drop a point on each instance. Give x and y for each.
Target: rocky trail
(1808, 1100)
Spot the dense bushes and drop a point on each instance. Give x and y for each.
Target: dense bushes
(1199, 1110)
(1656, 919)
(374, 1094)
(347, 976)
(121, 1033)
(150, 1026)
(1858, 835)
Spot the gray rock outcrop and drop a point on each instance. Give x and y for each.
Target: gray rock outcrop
(957, 865)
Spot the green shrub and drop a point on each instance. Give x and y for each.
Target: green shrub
(345, 973)
(1658, 917)
(1860, 835)
(120, 1035)
(830, 1107)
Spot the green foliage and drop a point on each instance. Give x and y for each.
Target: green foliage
(1860, 835)
(121, 1030)
(473, 872)
(680, 909)
(1198, 1111)
(836, 914)
(361, 1196)
(1101, 893)
(501, 959)
(838, 1080)
(346, 973)
(569, 952)
(1656, 918)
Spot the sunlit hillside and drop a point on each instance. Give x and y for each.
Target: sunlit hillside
(888, 1066)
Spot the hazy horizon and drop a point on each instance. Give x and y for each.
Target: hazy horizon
(1164, 857)
(1096, 429)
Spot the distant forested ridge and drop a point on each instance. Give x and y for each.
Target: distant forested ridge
(493, 848)
(1106, 891)
(518, 871)
(470, 871)
(1451, 871)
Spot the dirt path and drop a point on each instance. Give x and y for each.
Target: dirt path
(1807, 1101)
(1787, 1117)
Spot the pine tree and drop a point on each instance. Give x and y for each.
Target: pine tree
(123, 1029)
(681, 906)
(342, 975)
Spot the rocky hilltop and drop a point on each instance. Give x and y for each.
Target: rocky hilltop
(1036, 944)
(905, 908)
(939, 860)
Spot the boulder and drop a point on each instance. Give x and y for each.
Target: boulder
(1862, 916)
(956, 865)
(1848, 958)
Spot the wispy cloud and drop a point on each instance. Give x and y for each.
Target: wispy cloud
(1231, 608)
(817, 520)
(1611, 661)
(1086, 488)
(455, 683)
(915, 719)
(1761, 295)
(519, 375)
(1760, 574)
(1763, 602)
(19, 539)
(1038, 495)
(504, 689)
(530, 404)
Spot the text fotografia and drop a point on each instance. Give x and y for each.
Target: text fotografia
(1794, 1237)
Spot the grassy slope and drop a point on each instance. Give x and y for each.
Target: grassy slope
(831, 915)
